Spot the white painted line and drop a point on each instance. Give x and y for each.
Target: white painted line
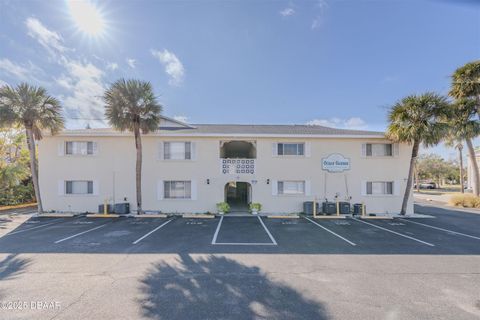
(214, 240)
(146, 235)
(245, 243)
(394, 232)
(268, 232)
(37, 227)
(79, 234)
(442, 229)
(328, 230)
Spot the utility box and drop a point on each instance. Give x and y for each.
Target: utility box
(357, 208)
(122, 208)
(329, 207)
(101, 208)
(344, 207)
(308, 207)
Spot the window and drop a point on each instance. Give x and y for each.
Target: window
(379, 150)
(177, 189)
(78, 187)
(79, 147)
(177, 150)
(380, 187)
(291, 149)
(291, 187)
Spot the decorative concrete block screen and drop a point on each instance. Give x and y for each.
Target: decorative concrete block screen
(238, 166)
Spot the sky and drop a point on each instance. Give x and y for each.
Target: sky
(337, 63)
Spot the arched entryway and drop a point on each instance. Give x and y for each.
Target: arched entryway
(238, 195)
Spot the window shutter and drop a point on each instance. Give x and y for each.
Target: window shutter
(308, 151)
(95, 188)
(166, 150)
(160, 150)
(193, 190)
(275, 149)
(95, 148)
(274, 187)
(160, 190)
(308, 188)
(364, 188)
(193, 150)
(396, 149)
(397, 184)
(61, 187)
(364, 149)
(61, 148)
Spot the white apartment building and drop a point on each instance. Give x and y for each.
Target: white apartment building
(190, 168)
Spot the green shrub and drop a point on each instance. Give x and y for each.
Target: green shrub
(223, 207)
(255, 206)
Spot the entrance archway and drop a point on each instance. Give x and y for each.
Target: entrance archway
(238, 195)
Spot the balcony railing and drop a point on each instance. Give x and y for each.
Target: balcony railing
(237, 166)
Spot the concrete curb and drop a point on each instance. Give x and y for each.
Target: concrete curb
(140, 216)
(330, 217)
(282, 217)
(56, 215)
(102, 215)
(198, 216)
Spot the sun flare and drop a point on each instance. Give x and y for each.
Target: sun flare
(88, 18)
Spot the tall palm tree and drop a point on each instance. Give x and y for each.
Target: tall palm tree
(417, 119)
(464, 126)
(33, 109)
(132, 106)
(466, 83)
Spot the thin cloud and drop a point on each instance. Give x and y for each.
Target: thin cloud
(13, 69)
(287, 12)
(173, 66)
(50, 40)
(112, 66)
(181, 118)
(321, 7)
(131, 63)
(349, 123)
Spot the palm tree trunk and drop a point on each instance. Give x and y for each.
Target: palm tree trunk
(417, 183)
(138, 169)
(408, 188)
(33, 167)
(474, 164)
(460, 156)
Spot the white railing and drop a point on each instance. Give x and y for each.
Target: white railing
(237, 166)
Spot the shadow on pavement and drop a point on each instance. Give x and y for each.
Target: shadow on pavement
(220, 288)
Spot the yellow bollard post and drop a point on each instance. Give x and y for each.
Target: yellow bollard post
(363, 209)
(314, 207)
(338, 208)
(105, 211)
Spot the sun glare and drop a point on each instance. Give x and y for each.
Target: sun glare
(88, 18)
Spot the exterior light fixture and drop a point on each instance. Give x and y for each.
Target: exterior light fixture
(268, 181)
(208, 181)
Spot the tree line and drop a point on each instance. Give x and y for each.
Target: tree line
(131, 105)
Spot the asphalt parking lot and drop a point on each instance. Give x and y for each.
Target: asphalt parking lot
(242, 267)
(245, 235)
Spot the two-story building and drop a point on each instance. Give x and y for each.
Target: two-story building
(189, 168)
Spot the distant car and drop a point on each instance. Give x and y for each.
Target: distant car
(428, 185)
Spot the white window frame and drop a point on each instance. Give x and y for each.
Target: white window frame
(281, 188)
(303, 144)
(90, 187)
(187, 156)
(76, 148)
(374, 150)
(169, 190)
(384, 188)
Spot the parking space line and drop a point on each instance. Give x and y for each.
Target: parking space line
(79, 234)
(215, 235)
(328, 230)
(149, 233)
(37, 227)
(268, 232)
(442, 229)
(244, 244)
(394, 232)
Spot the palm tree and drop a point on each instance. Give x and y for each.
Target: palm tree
(463, 126)
(417, 119)
(466, 83)
(131, 105)
(33, 109)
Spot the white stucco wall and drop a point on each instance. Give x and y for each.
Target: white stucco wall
(113, 170)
